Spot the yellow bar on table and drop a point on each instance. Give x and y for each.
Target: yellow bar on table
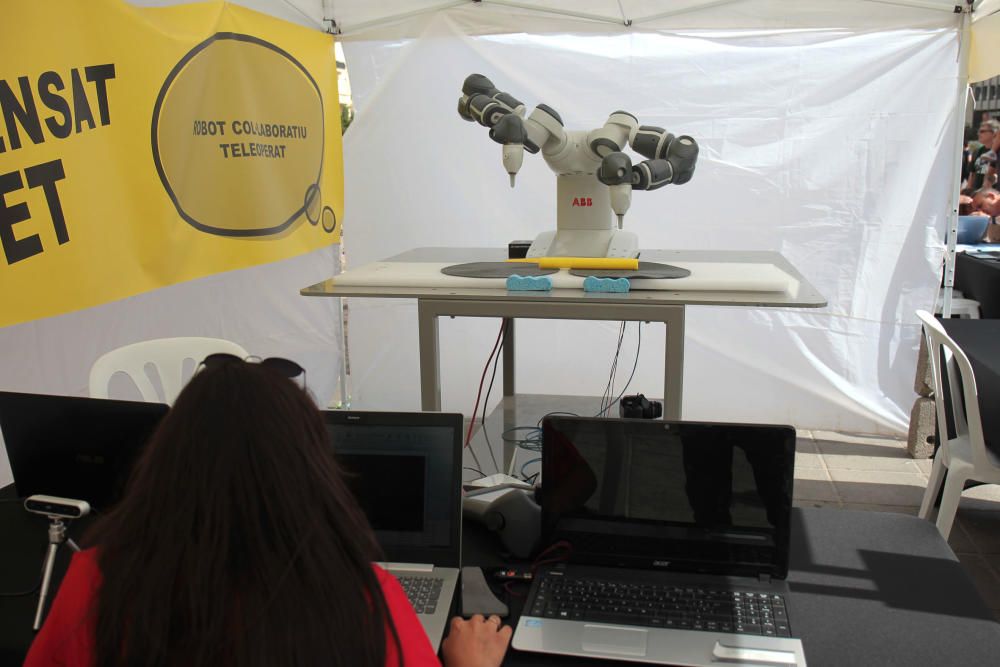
(597, 263)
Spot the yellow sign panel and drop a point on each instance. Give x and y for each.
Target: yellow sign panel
(144, 147)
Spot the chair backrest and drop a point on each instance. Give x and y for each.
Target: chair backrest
(166, 355)
(948, 360)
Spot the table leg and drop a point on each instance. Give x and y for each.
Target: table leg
(430, 354)
(673, 357)
(508, 358)
(507, 449)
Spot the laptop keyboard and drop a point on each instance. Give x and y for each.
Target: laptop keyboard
(660, 606)
(423, 592)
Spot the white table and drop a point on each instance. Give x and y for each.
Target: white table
(646, 305)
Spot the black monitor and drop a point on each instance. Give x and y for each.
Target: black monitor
(701, 497)
(405, 470)
(73, 447)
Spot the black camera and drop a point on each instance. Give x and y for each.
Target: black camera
(639, 407)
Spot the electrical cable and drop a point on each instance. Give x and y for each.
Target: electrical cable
(635, 364)
(614, 369)
(550, 555)
(504, 323)
(609, 387)
(553, 414)
(527, 463)
(33, 590)
(41, 573)
(38, 584)
(482, 379)
(475, 470)
(531, 442)
(604, 394)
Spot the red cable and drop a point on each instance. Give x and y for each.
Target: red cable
(472, 422)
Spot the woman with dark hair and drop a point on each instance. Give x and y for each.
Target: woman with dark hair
(238, 544)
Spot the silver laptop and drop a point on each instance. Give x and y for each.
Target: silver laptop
(671, 540)
(405, 469)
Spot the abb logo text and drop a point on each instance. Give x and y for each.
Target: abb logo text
(583, 201)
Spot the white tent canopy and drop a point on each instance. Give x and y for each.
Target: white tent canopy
(373, 19)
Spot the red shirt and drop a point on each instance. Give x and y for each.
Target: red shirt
(67, 638)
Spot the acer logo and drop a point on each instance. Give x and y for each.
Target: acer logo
(583, 201)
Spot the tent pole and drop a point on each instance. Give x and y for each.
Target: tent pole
(312, 19)
(676, 12)
(562, 12)
(956, 170)
(360, 27)
(365, 25)
(918, 4)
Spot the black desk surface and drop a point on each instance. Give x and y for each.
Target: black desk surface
(866, 589)
(980, 340)
(979, 279)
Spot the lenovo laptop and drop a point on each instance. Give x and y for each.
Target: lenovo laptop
(674, 539)
(405, 469)
(73, 447)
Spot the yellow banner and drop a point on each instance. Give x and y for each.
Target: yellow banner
(142, 147)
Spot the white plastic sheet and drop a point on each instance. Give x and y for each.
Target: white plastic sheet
(258, 307)
(831, 146)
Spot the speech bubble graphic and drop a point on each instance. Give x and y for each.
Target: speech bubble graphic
(237, 135)
(329, 220)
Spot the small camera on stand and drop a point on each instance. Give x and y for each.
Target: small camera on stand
(639, 407)
(57, 510)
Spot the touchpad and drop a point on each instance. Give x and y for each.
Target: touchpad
(624, 641)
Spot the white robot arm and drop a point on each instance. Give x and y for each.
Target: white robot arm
(481, 102)
(584, 162)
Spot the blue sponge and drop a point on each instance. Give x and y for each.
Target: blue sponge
(595, 284)
(516, 283)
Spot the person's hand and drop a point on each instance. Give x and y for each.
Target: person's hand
(477, 642)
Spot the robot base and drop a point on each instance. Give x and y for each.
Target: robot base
(585, 243)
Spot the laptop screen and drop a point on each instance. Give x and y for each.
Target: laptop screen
(691, 497)
(405, 471)
(73, 447)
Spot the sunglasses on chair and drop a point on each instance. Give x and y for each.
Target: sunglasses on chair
(284, 367)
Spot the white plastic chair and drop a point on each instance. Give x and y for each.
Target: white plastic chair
(964, 457)
(167, 355)
(965, 308)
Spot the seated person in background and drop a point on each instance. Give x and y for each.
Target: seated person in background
(987, 202)
(964, 205)
(983, 159)
(238, 544)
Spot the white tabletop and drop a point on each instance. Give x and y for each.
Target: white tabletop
(760, 267)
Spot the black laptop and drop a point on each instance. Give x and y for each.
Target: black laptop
(74, 447)
(673, 542)
(405, 469)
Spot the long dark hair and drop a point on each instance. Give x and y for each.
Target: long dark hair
(238, 542)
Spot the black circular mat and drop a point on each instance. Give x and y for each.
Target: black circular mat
(646, 270)
(496, 270)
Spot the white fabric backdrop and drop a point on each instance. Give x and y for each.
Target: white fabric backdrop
(258, 307)
(831, 146)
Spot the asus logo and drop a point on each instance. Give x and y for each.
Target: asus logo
(583, 201)
(661, 563)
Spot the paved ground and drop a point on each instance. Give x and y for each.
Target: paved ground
(870, 473)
